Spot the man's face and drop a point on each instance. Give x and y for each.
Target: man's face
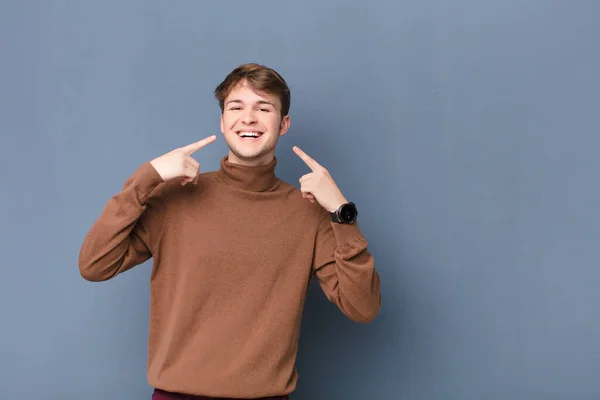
(251, 124)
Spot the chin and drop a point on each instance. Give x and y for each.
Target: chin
(249, 149)
(248, 155)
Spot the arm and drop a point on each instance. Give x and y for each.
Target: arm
(346, 271)
(123, 236)
(342, 263)
(130, 225)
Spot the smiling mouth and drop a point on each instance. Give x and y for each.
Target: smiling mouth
(249, 135)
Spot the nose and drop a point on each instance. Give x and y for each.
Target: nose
(249, 116)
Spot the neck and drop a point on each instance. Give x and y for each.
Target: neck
(254, 162)
(255, 178)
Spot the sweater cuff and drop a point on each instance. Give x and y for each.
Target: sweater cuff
(145, 179)
(346, 233)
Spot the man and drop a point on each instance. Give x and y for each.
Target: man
(233, 252)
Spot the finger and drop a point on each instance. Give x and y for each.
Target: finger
(190, 148)
(190, 172)
(304, 179)
(307, 193)
(309, 197)
(187, 179)
(192, 162)
(189, 162)
(312, 164)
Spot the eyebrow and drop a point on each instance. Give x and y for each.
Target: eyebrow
(258, 102)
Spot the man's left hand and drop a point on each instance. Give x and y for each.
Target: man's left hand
(319, 185)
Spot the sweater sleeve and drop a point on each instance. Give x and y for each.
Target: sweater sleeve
(346, 271)
(123, 236)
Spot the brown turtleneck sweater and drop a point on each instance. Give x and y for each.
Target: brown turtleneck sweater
(232, 259)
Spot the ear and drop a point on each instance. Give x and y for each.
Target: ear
(221, 124)
(285, 125)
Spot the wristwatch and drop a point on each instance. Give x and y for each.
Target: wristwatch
(346, 214)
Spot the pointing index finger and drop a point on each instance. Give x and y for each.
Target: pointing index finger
(190, 148)
(312, 164)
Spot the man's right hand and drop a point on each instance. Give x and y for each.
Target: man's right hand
(179, 163)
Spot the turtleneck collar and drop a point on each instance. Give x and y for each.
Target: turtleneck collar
(260, 178)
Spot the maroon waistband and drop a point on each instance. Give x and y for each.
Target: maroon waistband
(164, 395)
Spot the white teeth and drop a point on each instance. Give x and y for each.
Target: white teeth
(249, 134)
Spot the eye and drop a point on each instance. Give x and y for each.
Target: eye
(265, 109)
(235, 108)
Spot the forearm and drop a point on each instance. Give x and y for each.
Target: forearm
(349, 278)
(116, 241)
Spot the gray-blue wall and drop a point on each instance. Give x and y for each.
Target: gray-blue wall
(466, 132)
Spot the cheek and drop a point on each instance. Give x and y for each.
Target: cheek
(272, 123)
(229, 121)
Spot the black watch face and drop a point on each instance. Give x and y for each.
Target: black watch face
(348, 213)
